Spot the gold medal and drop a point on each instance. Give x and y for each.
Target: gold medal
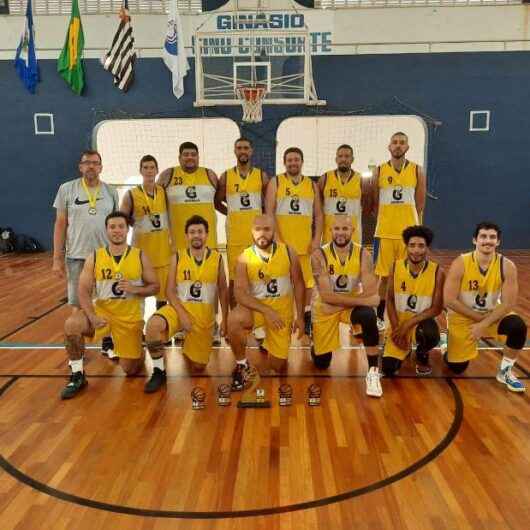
(91, 198)
(267, 264)
(197, 269)
(150, 202)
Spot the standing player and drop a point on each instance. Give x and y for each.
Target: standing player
(242, 188)
(295, 201)
(480, 291)
(82, 206)
(190, 190)
(267, 273)
(414, 298)
(196, 278)
(340, 268)
(120, 276)
(399, 188)
(145, 205)
(344, 192)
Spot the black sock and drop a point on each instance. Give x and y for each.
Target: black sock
(381, 310)
(373, 361)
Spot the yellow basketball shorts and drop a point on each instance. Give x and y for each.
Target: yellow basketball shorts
(326, 330)
(197, 342)
(232, 253)
(127, 336)
(461, 345)
(386, 251)
(161, 274)
(277, 342)
(307, 271)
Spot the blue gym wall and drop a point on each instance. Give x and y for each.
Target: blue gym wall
(475, 175)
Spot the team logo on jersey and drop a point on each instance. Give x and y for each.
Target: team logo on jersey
(480, 300)
(341, 206)
(191, 192)
(116, 291)
(390, 179)
(412, 302)
(155, 220)
(341, 283)
(295, 204)
(397, 194)
(195, 290)
(245, 199)
(272, 287)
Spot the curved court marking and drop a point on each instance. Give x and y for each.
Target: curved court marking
(170, 514)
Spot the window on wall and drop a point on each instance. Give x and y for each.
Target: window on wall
(122, 143)
(92, 7)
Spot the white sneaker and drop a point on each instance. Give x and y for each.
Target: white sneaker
(381, 326)
(373, 383)
(443, 342)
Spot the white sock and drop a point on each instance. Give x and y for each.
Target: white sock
(506, 362)
(307, 309)
(76, 365)
(242, 362)
(159, 363)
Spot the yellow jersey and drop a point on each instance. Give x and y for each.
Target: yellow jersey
(481, 290)
(345, 277)
(244, 203)
(197, 284)
(190, 194)
(108, 271)
(342, 199)
(413, 294)
(397, 202)
(270, 281)
(151, 225)
(294, 212)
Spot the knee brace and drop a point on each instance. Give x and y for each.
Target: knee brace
(427, 336)
(390, 365)
(155, 349)
(366, 317)
(514, 327)
(321, 361)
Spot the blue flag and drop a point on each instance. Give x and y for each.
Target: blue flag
(26, 58)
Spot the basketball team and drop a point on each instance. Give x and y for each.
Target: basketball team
(296, 264)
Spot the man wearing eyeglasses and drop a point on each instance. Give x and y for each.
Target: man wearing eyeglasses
(82, 205)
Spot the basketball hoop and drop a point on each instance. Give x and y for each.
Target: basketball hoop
(251, 98)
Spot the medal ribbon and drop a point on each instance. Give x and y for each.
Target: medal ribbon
(243, 181)
(150, 202)
(91, 198)
(197, 269)
(116, 267)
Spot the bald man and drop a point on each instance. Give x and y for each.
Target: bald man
(267, 278)
(346, 293)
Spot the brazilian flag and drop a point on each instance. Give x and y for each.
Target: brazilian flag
(70, 65)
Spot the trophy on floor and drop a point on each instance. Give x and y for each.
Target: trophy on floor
(223, 395)
(253, 397)
(286, 395)
(313, 395)
(198, 398)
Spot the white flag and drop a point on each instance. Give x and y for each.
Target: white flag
(174, 51)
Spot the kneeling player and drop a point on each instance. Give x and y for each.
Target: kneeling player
(481, 291)
(414, 298)
(267, 273)
(340, 268)
(196, 275)
(121, 276)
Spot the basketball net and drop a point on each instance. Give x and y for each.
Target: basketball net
(251, 98)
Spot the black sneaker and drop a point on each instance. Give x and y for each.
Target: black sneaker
(423, 366)
(107, 349)
(239, 377)
(75, 385)
(158, 378)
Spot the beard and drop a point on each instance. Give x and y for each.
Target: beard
(417, 260)
(243, 159)
(263, 242)
(342, 241)
(197, 243)
(118, 240)
(344, 169)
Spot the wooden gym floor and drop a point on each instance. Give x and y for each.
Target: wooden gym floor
(441, 452)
